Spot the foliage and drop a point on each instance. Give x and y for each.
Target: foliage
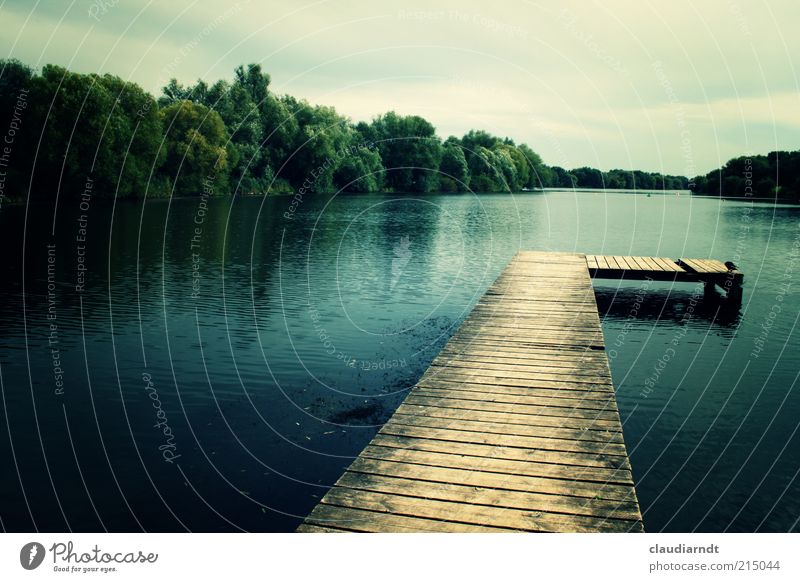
(238, 136)
(410, 151)
(196, 155)
(775, 176)
(454, 171)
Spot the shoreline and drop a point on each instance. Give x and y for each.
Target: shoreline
(13, 202)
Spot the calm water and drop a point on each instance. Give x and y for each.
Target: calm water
(221, 366)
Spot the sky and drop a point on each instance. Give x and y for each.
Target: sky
(678, 87)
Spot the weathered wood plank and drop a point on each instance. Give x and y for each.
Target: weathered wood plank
(589, 416)
(694, 265)
(360, 520)
(486, 360)
(667, 264)
(597, 430)
(524, 520)
(715, 266)
(572, 354)
(460, 369)
(651, 264)
(498, 465)
(308, 528)
(475, 494)
(629, 261)
(477, 424)
(612, 456)
(566, 487)
(524, 400)
(573, 383)
(594, 392)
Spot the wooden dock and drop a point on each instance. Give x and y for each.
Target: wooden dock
(514, 426)
(709, 271)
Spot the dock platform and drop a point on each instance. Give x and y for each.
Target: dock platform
(514, 426)
(709, 271)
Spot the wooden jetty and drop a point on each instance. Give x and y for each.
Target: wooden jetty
(709, 271)
(514, 426)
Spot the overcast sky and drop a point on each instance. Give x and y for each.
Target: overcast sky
(678, 87)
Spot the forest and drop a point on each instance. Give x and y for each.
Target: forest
(775, 176)
(237, 136)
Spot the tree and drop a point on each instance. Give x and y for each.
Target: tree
(18, 112)
(505, 169)
(360, 171)
(94, 127)
(173, 92)
(237, 105)
(255, 82)
(484, 173)
(132, 139)
(410, 151)
(196, 153)
(498, 165)
(453, 167)
(539, 175)
(563, 179)
(588, 177)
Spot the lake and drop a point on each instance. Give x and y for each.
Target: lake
(214, 365)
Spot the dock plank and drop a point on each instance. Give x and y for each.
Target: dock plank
(489, 496)
(473, 513)
(478, 424)
(565, 487)
(695, 265)
(714, 266)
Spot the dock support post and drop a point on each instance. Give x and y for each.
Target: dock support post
(733, 283)
(735, 292)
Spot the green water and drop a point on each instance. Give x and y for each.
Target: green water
(277, 341)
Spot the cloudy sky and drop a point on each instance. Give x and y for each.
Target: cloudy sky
(678, 87)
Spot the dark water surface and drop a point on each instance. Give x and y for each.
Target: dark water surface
(222, 365)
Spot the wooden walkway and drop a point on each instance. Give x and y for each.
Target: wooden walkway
(709, 271)
(514, 427)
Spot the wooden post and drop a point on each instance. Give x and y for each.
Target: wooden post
(709, 290)
(735, 291)
(733, 283)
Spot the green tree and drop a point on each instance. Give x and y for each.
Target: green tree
(360, 171)
(410, 151)
(588, 177)
(132, 139)
(18, 111)
(505, 168)
(97, 127)
(453, 167)
(539, 175)
(237, 105)
(196, 153)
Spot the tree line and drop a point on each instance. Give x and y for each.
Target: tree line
(237, 136)
(775, 176)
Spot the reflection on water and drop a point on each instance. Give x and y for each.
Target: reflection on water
(682, 304)
(276, 346)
